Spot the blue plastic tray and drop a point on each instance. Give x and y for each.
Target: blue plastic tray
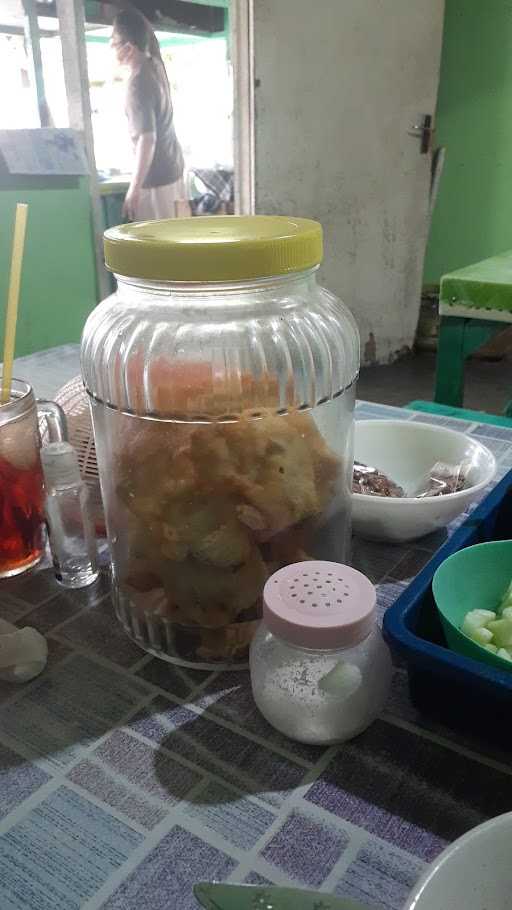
(456, 690)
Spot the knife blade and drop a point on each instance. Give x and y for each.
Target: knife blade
(214, 896)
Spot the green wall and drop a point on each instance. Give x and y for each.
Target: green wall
(473, 215)
(58, 287)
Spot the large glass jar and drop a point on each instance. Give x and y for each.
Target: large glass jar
(222, 382)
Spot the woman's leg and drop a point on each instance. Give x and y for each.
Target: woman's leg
(160, 202)
(145, 209)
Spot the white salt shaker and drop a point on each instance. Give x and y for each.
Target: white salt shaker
(320, 669)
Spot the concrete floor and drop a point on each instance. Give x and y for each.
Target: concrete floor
(488, 386)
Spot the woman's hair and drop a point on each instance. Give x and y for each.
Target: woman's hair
(133, 28)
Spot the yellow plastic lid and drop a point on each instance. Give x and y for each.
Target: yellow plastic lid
(215, 248)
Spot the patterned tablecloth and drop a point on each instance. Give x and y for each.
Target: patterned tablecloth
(124, 780)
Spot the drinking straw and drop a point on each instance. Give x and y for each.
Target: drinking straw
(13, 296)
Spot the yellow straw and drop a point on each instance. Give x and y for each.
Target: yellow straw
(13, 297)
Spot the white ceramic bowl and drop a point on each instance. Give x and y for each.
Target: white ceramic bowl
(405, 451)
(474, 873)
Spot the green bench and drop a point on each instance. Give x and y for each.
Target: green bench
(475, 304)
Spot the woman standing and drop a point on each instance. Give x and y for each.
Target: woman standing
(157, 186)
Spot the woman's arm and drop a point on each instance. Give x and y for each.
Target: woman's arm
(144, 151)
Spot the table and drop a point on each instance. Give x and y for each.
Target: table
(124, 780)
(48, 370)
(475, 304)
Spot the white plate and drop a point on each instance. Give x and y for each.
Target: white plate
(474, 873)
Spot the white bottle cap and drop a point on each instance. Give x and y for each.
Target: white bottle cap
(60, 465)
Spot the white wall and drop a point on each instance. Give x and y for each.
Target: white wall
(338, 83)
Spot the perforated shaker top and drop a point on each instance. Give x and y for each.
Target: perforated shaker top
(319, 605)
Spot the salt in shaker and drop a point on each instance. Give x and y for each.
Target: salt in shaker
(320, 669)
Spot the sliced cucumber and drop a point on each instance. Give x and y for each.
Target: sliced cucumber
(491, 629)
(482, 636)
(501, 632)
(502, 652)
(474, 627)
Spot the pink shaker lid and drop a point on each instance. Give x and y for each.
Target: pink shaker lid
(319, 605)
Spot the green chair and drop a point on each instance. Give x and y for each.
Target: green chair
(475, 304)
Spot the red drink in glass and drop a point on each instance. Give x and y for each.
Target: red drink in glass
(21, 517)
(21, 483)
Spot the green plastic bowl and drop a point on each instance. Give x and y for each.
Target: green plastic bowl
(475, 578)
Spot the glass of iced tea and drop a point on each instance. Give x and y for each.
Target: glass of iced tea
(22, 537)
